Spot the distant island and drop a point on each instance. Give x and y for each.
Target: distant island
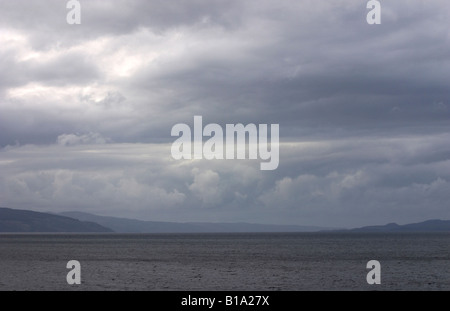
(12, 220)
(125, 225)
(435, 225)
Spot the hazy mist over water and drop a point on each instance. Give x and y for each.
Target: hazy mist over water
(263, 261)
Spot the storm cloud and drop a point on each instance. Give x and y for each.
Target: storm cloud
(86, 110)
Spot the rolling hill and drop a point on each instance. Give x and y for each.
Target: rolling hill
(124, 225)
(12, 220)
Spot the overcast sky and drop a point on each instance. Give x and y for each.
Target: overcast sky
(86, 110)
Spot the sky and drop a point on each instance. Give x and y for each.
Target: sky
(86, 111)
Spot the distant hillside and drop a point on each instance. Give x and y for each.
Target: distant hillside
(426, 226)
(12, 220)
(123, 225)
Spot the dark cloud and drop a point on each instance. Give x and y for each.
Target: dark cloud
(46, 21)
(363, 109)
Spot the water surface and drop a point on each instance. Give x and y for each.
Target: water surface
(260, 261)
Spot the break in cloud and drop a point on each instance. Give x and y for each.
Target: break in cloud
(86, 110)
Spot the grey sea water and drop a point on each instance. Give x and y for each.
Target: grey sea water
(303, 261)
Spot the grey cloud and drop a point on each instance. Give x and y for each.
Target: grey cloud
(70, 68)
(363, 110)
(345, 183)
(77, 139)
(309, 68)
(46, 21)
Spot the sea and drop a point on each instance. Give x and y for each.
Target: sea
(225, 262)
